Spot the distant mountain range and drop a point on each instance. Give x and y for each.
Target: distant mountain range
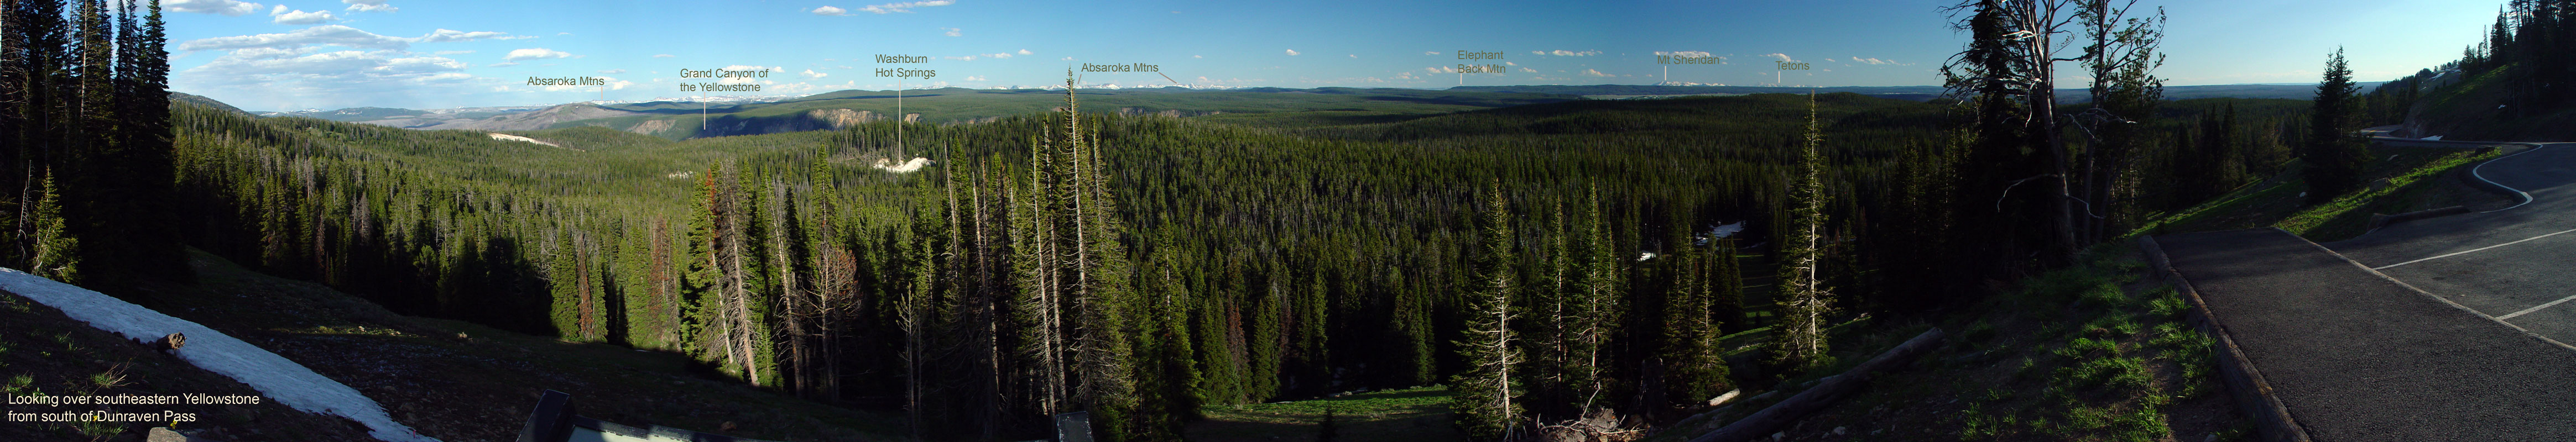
(1916, 93)
(678, 119)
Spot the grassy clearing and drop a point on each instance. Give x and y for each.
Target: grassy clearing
(1409, 415)
(2417, 178)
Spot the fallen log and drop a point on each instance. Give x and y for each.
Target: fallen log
(1827, 391)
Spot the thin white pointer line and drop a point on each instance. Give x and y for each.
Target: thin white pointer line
(2464, 252)
(2535, 308)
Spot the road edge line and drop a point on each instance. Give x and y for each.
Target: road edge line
(2426, 294)
(2475, 172)
(2254, 395)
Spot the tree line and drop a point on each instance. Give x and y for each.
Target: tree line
(85, 120)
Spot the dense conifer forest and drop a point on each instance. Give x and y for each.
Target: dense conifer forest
(1540, 260)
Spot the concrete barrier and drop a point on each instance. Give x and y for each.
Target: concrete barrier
(2271, 419)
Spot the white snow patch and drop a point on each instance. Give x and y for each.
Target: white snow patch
(275, 377)
(907, 167)
(509, 137)
(2434, 138)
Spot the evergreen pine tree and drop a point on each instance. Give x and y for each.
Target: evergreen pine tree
(1798, 338)
(1486, 389)
(57, 253)
(2335, 155)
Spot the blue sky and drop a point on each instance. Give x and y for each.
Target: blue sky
(295, 54)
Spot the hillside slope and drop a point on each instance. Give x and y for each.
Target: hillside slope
(2475, 109)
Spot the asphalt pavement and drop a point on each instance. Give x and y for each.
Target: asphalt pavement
(2518, 264)
(2355, 356)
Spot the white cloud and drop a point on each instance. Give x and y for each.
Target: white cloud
(1692, 54)
(1430, 52)
(369, 6)
(1354, 55)
(1871, 61)
(286, 77)
(810, 74)
(299, 17)
(961, 58)
(613, 71)
(663, 56)
(1068, 59)
(453, 52)
(317, 35)
(536, 53)
(1782, 57)
(1026, 52)
(1292, 52)
(905, 7)
(234, 8)
(827, 10)
(1595, 73)
(443, 34)
(1529, 70)
(1566, 53)
(955, 32)
(975, 78)
(1198, 56)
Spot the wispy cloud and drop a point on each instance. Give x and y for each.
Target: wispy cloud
(536, 53)
(234, 8)
(1292, 52)
(369, 6)
(318, 35)
(1782, 57)
(905, 7)
(1595, 73)
(955, 32)
(828, 10)
(283, 16)
(1566, 53)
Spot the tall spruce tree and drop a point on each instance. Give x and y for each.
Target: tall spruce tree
(2335, 154)
(1485, 390)
(1798, 338)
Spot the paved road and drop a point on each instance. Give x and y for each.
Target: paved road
(2518, 264)
(2358, 357)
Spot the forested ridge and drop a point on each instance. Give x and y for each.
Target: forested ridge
(1542, 261)
(1249, 264)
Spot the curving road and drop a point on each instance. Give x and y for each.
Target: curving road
(2517, 264)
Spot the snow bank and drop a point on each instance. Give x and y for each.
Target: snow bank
(509, 137)
(279, 379)
(907, 167)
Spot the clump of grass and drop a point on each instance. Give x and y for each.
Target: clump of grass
(2105, 293)
(21, 385)
(2163, 302)
(112, 378)
(1979, 332)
